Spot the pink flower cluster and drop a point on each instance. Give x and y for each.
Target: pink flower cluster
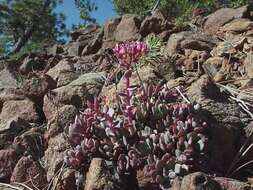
(130, 51)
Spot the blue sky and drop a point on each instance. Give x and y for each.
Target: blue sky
(105, 11)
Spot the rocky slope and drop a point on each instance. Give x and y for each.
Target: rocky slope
(42, 92)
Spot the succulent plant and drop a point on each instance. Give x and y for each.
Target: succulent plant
(149, 131)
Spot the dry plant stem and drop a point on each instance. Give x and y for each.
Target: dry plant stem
(239, 155)
(240, 167)
(234, 91)
(246, 110)
(52, 180)
(198, 66)
(245, 104)
(31, 178)
(59, 176)
(246, 146)
(10, 186)
(188, 102)
(139, 77)
(24, 185)
(233, 80)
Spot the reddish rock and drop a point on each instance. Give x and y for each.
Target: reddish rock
(9, 86)
(232, 184)
(67, 181)
(110, 28)
(8, 79)
(145, 183)
(8, 94)
(8, 160)
(83, 31)
(222, 16)
(54, 155)
(237, 26)
(75, 93)
(85, 41)
(29, 172)
(196, 181)
(128, 29)
(63, 66)
(31, 63)
(94, 45)
(76, 48)
(36, 86)
(178, 42)
(249, 65)
(10, 129)
(52, 61)
(62, 119)
(55, 49)
(66, 77)
(156, 24)
(24, 109)
(31, 143)
(97, 178)
(225, 118)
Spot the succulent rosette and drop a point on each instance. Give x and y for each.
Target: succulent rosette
(150, 131)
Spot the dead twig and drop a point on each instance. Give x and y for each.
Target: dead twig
(183, 96)
(10, 186)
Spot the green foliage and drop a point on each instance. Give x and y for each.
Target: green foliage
(85, 7)
(18, 16)
(174, 8)
(154, 55)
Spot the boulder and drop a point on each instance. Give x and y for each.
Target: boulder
(156, 24)
(189, 40)
(65, 77)
(8, 94)
(197, 181)
(237, 25)
(110, 28)
(98, 178)
(52, 61)
(29, 172)
(67, 181)
(31, 143)
(61, 120)
(54, 155)
(24, 109)
(229, 48)
(8, 160)
(10, 129)
(83, 31)
(249, 65)
(36, 86)
(9, 87)
(31, 63)
(76, 48)
(85, 41)
(8, 79)
(231, 184)
(75, 93)
(128, 29)
(55, 49)
(63, 66)
(94, 45)
(222, 16)
(225, 119)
